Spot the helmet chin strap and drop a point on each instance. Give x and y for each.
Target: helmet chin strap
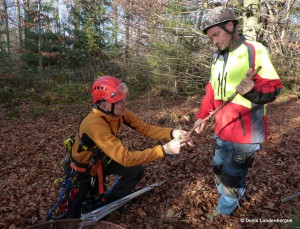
(223, 26)
(111, 112)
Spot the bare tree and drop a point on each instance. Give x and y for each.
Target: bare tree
(20, 33)
(251, 25)
(6, 28)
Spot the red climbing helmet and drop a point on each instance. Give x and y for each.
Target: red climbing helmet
(108, 88)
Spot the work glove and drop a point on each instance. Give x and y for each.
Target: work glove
(172, 147)
(177, 133)
(182, 135)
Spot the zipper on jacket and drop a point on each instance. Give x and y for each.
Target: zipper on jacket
(242, 124)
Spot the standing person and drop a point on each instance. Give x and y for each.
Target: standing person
(98, 152)
(242, 124)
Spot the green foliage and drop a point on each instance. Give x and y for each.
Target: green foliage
(4, 93)
(88, 36)
(14, 90)
(13, 113)
(174, 67)
(36, 112)
(68, 93)
(137, 77)
(46, 91)
(295, 219)
(5, 63)
(171, 62)
(10, 157)
(160, 51)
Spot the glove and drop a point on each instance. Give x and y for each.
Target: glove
(177, 133)
(172, 147)
(182, 136)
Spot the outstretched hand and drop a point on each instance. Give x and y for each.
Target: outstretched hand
(183, 137)
(172, 147)
(199, 125)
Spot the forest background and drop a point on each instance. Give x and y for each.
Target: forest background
(61, 46)
(52, 50)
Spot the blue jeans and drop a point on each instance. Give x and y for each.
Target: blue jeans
(230, 165)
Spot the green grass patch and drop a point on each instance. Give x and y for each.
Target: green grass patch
(45, 92)
(37, 112)
(10, 157)
(13, 113)
(295, 224)
(68, 93)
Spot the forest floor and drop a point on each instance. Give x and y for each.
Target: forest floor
(32, 148)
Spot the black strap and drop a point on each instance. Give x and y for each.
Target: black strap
(97, 154)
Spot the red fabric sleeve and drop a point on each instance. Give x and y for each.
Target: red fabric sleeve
(207, 104)
(264, 91)
(263, 85)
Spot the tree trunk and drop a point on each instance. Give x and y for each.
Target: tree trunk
(6, 29)
(250, 18)
(76, 23)
(20, 33)
(205, 6)
(127, 35)
(40, 38)
(286, 18)
(115, 24)
(26, 14)
(56, 21)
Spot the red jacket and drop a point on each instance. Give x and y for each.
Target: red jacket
(244, 120)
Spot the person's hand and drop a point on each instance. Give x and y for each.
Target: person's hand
(247, 84)
(172, 147)
(182, 135)
(200, 127)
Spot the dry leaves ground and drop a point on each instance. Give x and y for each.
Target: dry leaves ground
(32, 147)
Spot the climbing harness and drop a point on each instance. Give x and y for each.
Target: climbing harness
(69, 185)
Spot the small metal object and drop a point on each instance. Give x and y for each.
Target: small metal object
(290, 197)
(96, 215)
(93, 181)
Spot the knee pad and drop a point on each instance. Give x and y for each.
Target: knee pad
(230, 181)
(230, 192)
(217, 170)
(230, 184)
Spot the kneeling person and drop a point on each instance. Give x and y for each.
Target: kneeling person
(96, 144)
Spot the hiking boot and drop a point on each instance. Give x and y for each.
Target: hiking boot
(212, 215)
